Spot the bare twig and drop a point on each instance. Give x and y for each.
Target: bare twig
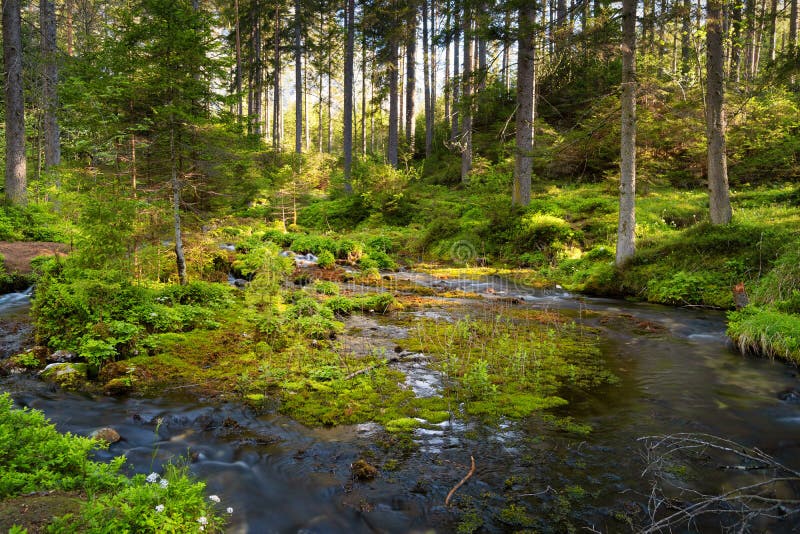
(463, 480)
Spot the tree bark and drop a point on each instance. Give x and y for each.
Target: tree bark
(392, 142)
(47, 23)
(447, 89)
(454, 129)
(298, 81)
(526, 82)
(16, 186)
(793, 26)
(686, 36)
(411, 76)
(363, 95)
(719, 196)
(277, 111)
(68, 26)
(466, 136)
(773, 20)
(347, 141)
(238, 61)
(180, 259)
(626, 240)
(427, 81)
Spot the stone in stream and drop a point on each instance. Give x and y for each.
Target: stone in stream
(107, 434)
(363, 470)
(67, 375)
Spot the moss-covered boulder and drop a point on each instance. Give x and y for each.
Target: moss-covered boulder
(72, 376)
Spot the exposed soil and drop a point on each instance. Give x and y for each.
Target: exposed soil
(17, 255)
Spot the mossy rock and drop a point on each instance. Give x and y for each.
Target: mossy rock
(117, 387)
(362, 470)
(71, 376)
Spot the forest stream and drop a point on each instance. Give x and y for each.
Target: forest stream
(676, 371)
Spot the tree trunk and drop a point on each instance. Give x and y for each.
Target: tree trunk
(750, 18)
(306, 121)
(432, 22)
(298, 81)
(466, 137)
(68, 26)
(427, 80)
(259, 72)
(526, 56)
(719, 197)
(686, 36)
(47, 23)
(238, 61)
(736, 41)
(411, 69)
(277, 112)
(627, 180)
(447, 89)
(16, 171)
(180, 260)
(363, 95)
(392, 142)
(329, 104)
(347, 141)
(793, 26)
(773, 19)
(454, 130)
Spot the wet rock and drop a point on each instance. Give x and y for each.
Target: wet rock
(362, 470)
(117, 387)
(107, 434)
(790, 395)
(62, 356)
(67, 375)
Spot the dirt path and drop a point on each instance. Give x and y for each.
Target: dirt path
(17, 255)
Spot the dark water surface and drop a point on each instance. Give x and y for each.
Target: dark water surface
(677, 374)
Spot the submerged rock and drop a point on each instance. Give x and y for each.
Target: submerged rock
(67, 375)
(107, 434)
(363, 470)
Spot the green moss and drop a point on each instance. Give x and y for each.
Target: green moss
(403, 424)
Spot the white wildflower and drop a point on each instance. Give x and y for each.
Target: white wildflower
(213, 498)
(202, 520)
(160, 508)
(152, 478)
(230, 510)
(164, 483)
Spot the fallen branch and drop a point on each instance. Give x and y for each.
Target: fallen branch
(463, 480)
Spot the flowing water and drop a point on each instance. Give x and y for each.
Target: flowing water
(677, 374)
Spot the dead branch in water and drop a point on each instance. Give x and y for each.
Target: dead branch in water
(756, 497)
(452, 491)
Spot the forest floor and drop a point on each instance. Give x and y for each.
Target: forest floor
(17, 256)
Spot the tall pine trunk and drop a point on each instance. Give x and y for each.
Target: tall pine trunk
(298, 81)
(466, 136)
(454, 128)
(427, 81)
(16, 171)
(526, 57)
(238, 60)
(180, 259)
(363, 95)
(626, 245)
(719, 196)
(411, 76)
(392, 142)
(47, 23)
(347, 141)
(277, 111)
